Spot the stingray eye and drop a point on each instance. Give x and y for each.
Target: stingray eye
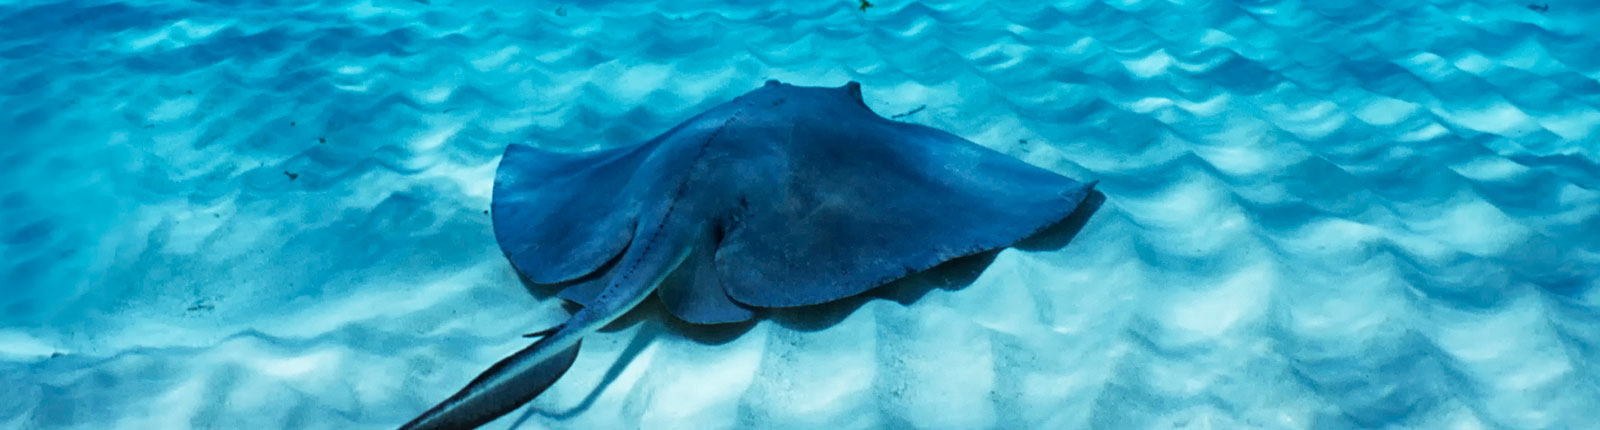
(853, 89)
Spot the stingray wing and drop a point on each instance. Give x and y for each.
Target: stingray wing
(864, 201)
(560, 216)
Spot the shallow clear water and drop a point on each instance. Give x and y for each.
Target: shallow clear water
(1320, 214)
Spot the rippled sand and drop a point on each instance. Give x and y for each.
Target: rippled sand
(1320, 214)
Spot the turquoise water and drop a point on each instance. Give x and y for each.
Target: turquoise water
(1320, 214)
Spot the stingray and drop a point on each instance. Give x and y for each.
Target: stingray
(786, 196)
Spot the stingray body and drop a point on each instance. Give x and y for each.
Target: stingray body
(786, 196)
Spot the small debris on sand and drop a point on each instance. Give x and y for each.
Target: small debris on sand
(909, 113)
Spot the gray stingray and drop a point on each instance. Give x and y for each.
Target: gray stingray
(786, 196)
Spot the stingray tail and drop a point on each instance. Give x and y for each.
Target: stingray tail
(503, 388)
(517, 379)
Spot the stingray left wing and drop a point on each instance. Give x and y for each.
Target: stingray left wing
(560, 216)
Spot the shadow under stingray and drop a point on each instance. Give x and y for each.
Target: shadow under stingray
(653, 317)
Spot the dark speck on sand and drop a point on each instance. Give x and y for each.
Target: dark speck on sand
(910, 112)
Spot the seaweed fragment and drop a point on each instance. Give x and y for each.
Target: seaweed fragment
(910, 112)
(201, 305)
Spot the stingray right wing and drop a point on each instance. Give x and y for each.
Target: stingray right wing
(860, 201)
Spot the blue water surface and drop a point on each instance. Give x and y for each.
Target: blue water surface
(1320, 214)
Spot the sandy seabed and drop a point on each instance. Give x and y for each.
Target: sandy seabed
(1319, 214)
